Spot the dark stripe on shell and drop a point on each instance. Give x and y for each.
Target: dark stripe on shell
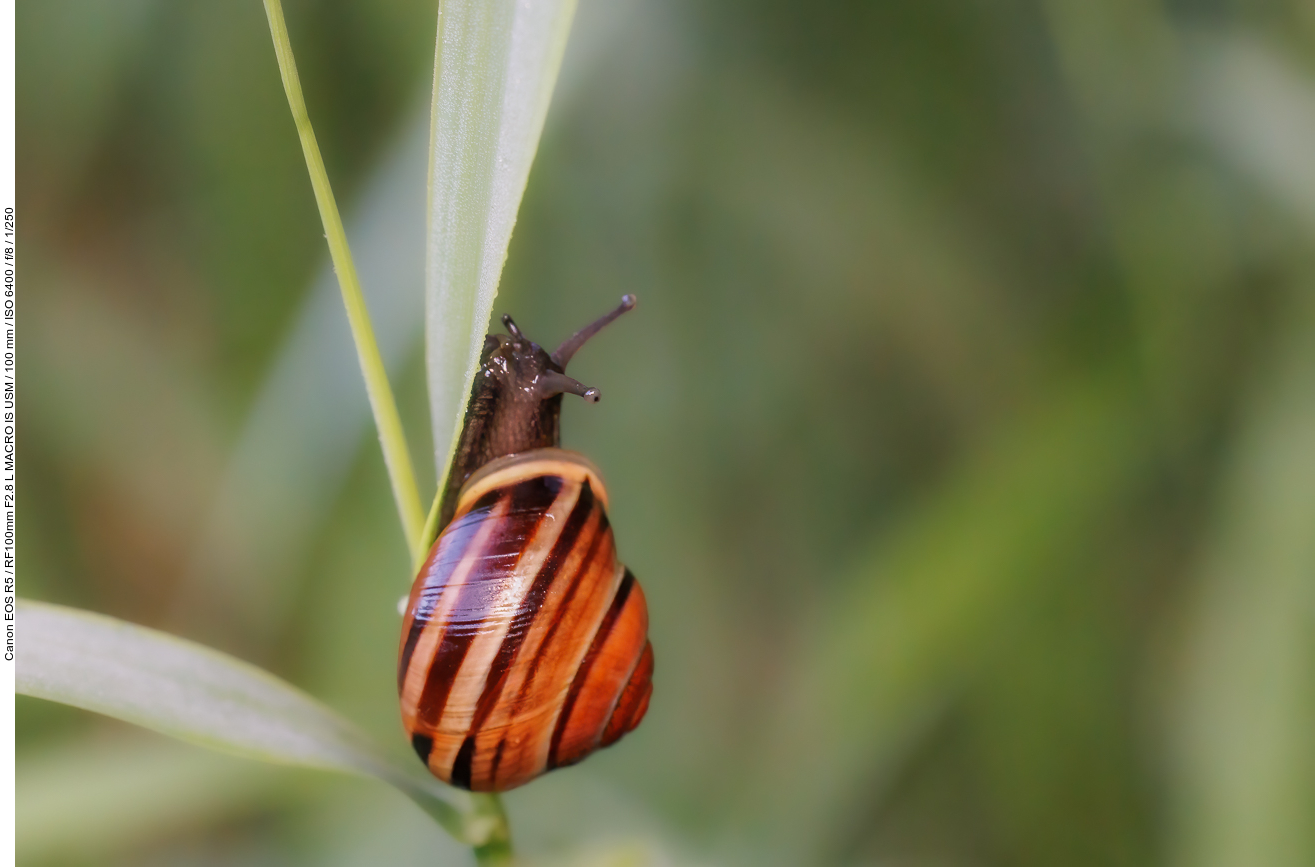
(586, 566)
(633, 703)
(529, 500)
(582, 673)
(497, 759)
(423, 745)
(523, 621)
(453, 548)
(461, 767)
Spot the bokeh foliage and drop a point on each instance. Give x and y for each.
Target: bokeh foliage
(963, 440)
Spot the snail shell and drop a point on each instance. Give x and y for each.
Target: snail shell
(525, 642)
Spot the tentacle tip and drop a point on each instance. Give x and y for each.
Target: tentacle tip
(628, 302)
(592, 395)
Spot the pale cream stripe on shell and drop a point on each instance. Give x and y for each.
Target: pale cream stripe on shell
(541, 744)
(506, 471)
(471, 678)
(423, 655)
(544, 621)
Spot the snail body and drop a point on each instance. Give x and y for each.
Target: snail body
(524, 645)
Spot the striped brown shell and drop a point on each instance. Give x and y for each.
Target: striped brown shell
(525, 644)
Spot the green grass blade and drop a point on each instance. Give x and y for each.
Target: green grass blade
(1244, 781)
(196, 694)
(429, 533)
(391, 436)
(495, 65)
(494, 70)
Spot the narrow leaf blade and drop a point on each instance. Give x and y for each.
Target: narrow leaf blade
(494, 70)
(196, 694)
(1243, 773)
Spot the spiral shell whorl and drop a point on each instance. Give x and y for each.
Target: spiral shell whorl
(524, 646)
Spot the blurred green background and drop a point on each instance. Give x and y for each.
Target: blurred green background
(963, 441)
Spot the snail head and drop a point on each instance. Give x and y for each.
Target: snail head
(526, 372)
(516, 400)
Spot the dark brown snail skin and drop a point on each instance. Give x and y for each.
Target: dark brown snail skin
(525, 642)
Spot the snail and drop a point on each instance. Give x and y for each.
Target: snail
(524, 644)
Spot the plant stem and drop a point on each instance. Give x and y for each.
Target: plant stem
(487, 813)
(429, 533)
(397, 456)
(496, 850)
